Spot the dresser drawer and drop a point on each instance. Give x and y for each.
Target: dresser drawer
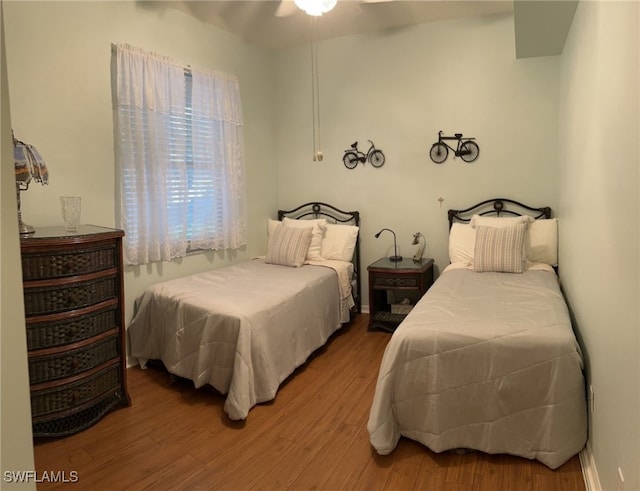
(390, 281)
(67, 329)
(65, 364)
(48, 300)
(74, 394)
(76, 419)
(59, 264)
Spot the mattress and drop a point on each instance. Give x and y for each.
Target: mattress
(241, 329)
(485, 361)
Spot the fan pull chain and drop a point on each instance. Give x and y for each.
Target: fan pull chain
(313, 88)
(315, 96)
(317, 102)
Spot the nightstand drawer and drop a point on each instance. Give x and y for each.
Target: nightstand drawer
(406, 281)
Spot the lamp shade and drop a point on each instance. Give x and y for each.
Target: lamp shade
(22, 169)
(29, 164)
(315, 7)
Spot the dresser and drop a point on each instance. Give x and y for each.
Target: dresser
(73, 298)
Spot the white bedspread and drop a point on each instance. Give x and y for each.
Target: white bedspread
(484, 361)
(242, 329)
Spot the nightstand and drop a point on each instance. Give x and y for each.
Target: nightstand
(389, 283)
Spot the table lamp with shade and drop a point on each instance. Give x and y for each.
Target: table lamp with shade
(29, 166)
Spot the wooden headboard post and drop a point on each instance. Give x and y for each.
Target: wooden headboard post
(317, 209)
(497, 207)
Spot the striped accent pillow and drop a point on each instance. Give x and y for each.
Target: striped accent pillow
(288, 246)
(500, 249)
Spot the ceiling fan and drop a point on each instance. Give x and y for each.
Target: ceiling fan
(315, 8)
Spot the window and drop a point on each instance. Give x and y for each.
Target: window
(179, 155)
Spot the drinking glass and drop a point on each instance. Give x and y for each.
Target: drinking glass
(70, 212)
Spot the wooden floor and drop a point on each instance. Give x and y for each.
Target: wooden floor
(313, 436)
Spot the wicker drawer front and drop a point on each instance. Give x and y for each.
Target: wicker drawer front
(71, 329)
(51, 300)
(63, 263)
(74, 394)
(58, 366)
(395, 281)
(48, 426)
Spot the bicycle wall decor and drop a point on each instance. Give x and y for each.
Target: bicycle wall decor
(467, 149)
(352, 156)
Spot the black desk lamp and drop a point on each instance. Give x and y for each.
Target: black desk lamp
(395, 257)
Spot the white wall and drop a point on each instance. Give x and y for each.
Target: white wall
(599, 162)
(16, 450)
(59, 57)
(398, 89)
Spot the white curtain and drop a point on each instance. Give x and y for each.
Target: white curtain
(180, 160)
(221, 224)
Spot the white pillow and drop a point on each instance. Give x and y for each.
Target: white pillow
(318, 227)
(498, 222)
(339, 242)
(288, 246)
(271, 227)
(462, 241)
(499, 249)
(541, 243)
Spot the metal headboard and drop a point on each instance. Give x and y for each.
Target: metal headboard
(316, 209)
(498, 207)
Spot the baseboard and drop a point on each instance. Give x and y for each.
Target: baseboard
(589, 470)
(364, 309)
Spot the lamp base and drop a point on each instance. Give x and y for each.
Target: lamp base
(395, 259)
(22, 227)
(25, 229)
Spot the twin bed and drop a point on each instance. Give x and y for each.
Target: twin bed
(245, 328)
(486, 360)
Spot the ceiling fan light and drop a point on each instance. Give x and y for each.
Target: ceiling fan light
(315, 7)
